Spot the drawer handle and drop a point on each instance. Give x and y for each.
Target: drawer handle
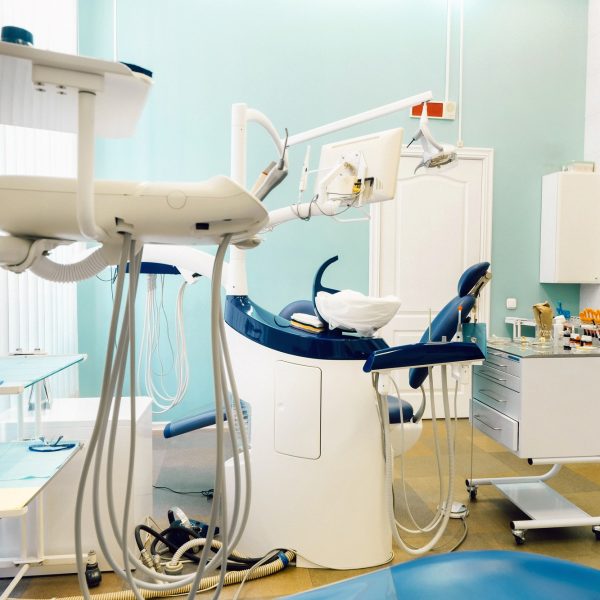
(478, 417)
(489, 395)
(487, 374)
(500, 366)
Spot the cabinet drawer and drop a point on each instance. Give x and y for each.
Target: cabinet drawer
(500, 377)
(502, 361)
(499, 427)
(502, 398)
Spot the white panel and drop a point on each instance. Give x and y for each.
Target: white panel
(566, 199)
(297, 410)
(592, 108)
(594, 17)
(425, 226)
(36, 313)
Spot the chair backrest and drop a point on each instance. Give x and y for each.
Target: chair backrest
(445, 323)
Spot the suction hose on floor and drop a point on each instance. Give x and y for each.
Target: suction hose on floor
(207, 583)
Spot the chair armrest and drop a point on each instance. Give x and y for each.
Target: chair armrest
(187, 424)
(422, 355)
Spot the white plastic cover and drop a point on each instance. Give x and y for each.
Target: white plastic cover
(349, 309)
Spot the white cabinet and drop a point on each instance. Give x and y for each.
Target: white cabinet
(542, 405)
(570, 228)
(539, 403)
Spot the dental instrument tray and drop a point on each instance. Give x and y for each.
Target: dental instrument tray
(422, 355)
(40, 88)
(182, 212)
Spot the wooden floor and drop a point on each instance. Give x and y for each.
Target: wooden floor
(184, 463)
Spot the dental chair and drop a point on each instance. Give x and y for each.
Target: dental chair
(316, 452)
(443, 327)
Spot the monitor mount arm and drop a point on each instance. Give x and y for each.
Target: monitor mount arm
(241, 115)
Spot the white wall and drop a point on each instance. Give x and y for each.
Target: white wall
(590, 294)
(36, 313)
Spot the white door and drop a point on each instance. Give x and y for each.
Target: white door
(421, 243)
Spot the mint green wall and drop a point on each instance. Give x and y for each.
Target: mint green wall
(307, 62)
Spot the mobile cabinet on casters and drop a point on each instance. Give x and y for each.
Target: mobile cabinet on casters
(539, 402)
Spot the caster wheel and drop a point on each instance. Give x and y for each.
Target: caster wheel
(519, 535)
(596, 530)
(472, 489)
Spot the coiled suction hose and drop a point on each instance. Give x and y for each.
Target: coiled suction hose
(206, 583)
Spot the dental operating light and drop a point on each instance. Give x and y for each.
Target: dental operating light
(435, 155)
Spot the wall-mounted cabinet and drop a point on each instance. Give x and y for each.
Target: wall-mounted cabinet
(570, 231)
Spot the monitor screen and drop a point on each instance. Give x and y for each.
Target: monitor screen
(360, 170)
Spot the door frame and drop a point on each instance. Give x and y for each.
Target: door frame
(486, 156)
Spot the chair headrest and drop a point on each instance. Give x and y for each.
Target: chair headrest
(468, 280)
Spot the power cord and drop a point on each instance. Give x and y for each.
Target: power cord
(208, 494)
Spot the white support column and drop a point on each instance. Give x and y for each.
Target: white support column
(86, 217)
(24, 540)
(20, 416)
(237, 279)
(37, 394)
(39, 526)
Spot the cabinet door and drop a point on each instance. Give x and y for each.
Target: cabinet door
(578, 218)
(421, 243)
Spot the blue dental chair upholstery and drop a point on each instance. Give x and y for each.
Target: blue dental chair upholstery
(445, 323)
(497, 575)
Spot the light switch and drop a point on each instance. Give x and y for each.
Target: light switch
(511, 303)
